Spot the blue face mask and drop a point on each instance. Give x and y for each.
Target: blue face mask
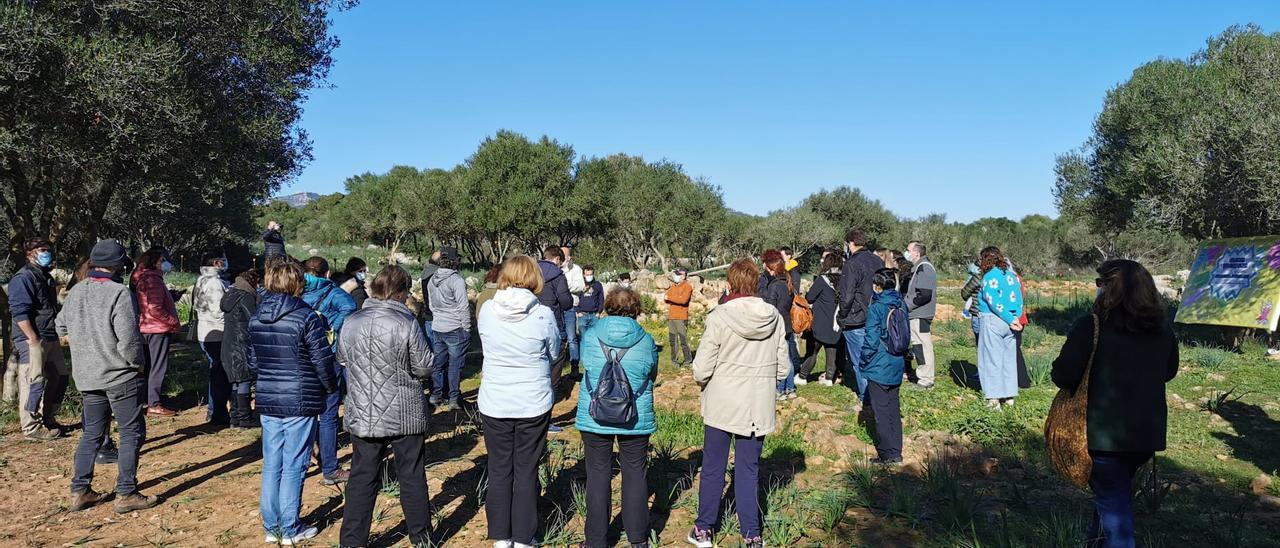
(361, 275)
(166, 267)
(44, 259)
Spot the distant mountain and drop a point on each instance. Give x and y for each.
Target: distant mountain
(298, 200)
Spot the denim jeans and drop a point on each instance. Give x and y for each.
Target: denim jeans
(326, 427)
(426, 328)
(586, 322)
(450, 349)
(746, 479)
(571, 334)
(789, 384)
(1112, 485)
(126, 403)
(286, 452)
(997, 358)
(219, 387)
(853, 342)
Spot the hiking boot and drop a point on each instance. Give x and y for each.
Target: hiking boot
(135, 501)
(341, 476)
(158, 410)
(44, 434)
(306, 533)
(886, 462)
(435, 400)
(85, 500)
(107, 454)
(753, 542)
(699, 537)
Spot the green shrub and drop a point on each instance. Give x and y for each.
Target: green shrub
(1208, 357)
(1039, 367)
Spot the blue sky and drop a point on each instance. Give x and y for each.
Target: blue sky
(948, 107)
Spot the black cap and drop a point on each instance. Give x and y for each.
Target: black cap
(107, 254)
(449, 253)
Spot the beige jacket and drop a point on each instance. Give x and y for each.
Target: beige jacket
(742, 356)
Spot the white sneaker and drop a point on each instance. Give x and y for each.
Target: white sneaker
(1008, 403)
(800, 381)
(502, 544)
(518, 545)
(826, 382)
(305, 534)
(272, 539)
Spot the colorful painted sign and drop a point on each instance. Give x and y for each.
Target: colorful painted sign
(1234, 282)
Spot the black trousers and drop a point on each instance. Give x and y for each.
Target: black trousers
(1024, 378)
(633, 454)
(557, 370)
(157, 364)
(887, 408)
(834, 357)
(362, 487)
(515, 448)
(126, 403)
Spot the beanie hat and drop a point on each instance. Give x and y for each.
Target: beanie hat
(107, 254)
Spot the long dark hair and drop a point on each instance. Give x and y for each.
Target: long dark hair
(1129, 297)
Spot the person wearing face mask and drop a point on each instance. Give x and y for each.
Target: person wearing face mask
(591, 304)
(678, 297)
(157, 320)
(42, 371)
(206, 303)
(555, 295)
(359, 270)
(922, 300)
(573, 277)
(624, 280)
(106, 346)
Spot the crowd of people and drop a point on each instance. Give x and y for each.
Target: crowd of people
(289, 344)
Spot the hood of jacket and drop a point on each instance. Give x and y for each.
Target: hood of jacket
(372, 303)
(236, 293)
(244, 286)
(549, 270)
(211, 271)
(750, 317)
(513, 304)
(890, 297)
(440, 275)
(275, 306)
(316, 283)
(619, 331)
(429, 271)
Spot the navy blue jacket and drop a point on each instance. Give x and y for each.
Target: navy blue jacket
(592, 300)
(290, 353)
(32, 298)
(555, 292)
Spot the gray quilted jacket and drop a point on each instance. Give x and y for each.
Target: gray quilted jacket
(387, 359)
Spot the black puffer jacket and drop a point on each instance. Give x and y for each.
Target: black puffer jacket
(238, 305)
(290, 352)
(386, 357)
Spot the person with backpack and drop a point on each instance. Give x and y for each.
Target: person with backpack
(775, 289)
(334, 305)
(922, 300)
(520, 337)
(742, 354)
(678, 297)
(615, 404)
(238, 305)
(888, 340)
(999, 313)
(824, 297)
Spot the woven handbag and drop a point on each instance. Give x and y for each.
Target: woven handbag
(1066, 430)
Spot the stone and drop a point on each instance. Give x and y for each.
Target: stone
(1221, 457)
(1270, 501)
(1260, 485)
(989, 467)
(1216, 377)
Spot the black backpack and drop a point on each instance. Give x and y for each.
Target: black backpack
(613, 402)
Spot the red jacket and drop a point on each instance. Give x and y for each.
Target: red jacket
(157, 312)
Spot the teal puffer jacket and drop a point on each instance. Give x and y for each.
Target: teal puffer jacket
(640, 364)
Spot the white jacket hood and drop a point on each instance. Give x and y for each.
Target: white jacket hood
(513, 304)
(749, 317)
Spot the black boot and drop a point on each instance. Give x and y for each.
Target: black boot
(242, 415)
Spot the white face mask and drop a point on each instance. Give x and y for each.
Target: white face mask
(590, 279)
(908, 255)
(676, 278)
(624, 284)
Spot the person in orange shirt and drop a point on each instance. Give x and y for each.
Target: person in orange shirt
(678, 316)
